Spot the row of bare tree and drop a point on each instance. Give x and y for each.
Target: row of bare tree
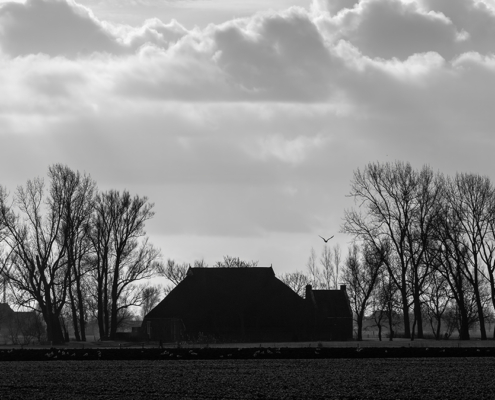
(321, 273)
(427, 245)
(71, 250)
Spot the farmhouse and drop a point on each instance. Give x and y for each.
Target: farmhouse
(245, 304)
(18, 325)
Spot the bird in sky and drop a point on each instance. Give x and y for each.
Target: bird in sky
(326, 240)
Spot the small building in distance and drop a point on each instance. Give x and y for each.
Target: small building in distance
(19, 327)
(243, 305)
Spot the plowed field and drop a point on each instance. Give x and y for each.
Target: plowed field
(410, 378)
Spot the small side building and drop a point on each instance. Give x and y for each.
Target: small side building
(19, 326)
(331, 313)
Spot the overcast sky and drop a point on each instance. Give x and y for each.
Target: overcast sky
(243, 121)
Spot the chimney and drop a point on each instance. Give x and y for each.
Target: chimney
(308, 292)
(343, 288)
(310, 297)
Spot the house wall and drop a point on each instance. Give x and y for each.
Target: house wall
(163, 329)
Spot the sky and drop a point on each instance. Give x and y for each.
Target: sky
(244, 121)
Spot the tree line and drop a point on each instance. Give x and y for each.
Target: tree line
(72, 252)
(175, 272)
(321, 273)
(422, 252)
(424, 246)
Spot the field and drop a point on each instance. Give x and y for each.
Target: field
(410, 378)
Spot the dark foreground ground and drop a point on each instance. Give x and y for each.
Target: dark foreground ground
(366, 378)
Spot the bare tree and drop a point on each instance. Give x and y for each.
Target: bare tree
(297, 281)
(471, 199)
(202, 264)
(39, 269)
(437, 298)
(337, 260)
(176, 272)
(123, 255)
(125, 317)
(327, 274)
(360, 274)
(488, 256)
(379, 302)
(235, 262)
(314, 274)
(151, 297)
(173, 271)
(6, 258)
(401, 206)
(450, 258)
(167, 289)
(76, 192)
(384, 303)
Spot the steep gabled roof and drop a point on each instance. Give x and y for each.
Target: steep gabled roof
(332, 303)
(220, 291)
(5, 310)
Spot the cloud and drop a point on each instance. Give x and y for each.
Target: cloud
(52, 27)
(390, 28)
(332, 6)
(153, 31)
(253, 126)
(280, 57)
(287, 150)
(474, 17)
(395, 28)
(271, 57)
(66, 28)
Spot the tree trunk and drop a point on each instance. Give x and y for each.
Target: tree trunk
(360, 316)
(439, 324)
(405, 310)
(417, 316)
(101, 306)
(74, 314)
(80, 304)
(390, 324)
(82, 320)
(54, 331)
(380, 333)
(114, 299)
(464, 325)
(481, 317)
(479, 306)
(105, 307)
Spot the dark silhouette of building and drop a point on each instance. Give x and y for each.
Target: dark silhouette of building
(332, 313)
(22, 326)
(242, 304)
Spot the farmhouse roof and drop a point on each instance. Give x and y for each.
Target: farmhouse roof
(221, 291)
(330, 303)
(5, 310)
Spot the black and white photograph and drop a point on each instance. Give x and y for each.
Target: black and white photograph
(247, 199)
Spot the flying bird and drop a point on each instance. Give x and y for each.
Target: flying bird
(326, 240)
